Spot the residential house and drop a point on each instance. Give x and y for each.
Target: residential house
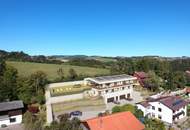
(141, 77)
(11, 113)
(168, 109)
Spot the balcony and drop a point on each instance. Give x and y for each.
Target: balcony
(110, 86)
(178, 114)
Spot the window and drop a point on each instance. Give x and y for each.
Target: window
(159, 109)
(12, 120)
(160, 117)
(153, 107)
(128, 87)
(106, 91)
(123, 88)
(112, 90)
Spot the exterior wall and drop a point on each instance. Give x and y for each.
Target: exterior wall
(181, 116)
(166, 113)
(143, 109)
(7, 121)
(118, 91)
(66, 98)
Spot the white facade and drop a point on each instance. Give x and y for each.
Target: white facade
(160, 111)
(11, 120)
(113, 90)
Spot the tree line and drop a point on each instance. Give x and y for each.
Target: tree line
(163, 73)
(21, 56)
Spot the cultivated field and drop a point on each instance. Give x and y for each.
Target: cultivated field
(27, 68)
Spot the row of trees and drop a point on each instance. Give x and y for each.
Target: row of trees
(29, 89)
(21, 56)
(163, 73)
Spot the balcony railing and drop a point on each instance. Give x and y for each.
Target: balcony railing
(110, 86)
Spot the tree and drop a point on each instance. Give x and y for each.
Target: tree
(128, 107)
(61, 73)
(9, 84)
(175, 80)
(154, 82)
(38, 80)
(72, 74)
(24, 90)
(2, 66)
(154, 124)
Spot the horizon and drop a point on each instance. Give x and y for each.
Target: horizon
(102, 28)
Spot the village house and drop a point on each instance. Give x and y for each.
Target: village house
(118, 121)
(141, 77)
(11, 113)
(168, 109)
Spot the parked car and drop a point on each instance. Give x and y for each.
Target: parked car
(65, 115)
(76, 113)
(116, 102)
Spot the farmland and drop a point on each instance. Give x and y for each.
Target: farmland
(27, 68)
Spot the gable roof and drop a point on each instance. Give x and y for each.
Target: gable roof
(5, 106)
(173, 102)
(141, 74)
(110, 79)
(118, 121)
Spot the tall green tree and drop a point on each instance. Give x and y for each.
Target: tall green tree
(38, 80)
(154, 82)
(72, 74)
(8, 84)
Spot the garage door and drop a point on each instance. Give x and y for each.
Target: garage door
(122, 97)
(110, 99)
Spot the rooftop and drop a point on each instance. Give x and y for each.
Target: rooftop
(5, 106)
(141, 74)
(113, 78)
(173, 102)
(118, 121)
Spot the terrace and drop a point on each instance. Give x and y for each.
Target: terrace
(68, 90)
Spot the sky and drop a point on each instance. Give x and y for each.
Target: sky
(96, 27)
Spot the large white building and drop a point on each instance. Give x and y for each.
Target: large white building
(168, 109)
(11, 113)
(112, 88)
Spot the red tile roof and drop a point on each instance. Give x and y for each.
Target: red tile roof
(141, 75)
(118, 121)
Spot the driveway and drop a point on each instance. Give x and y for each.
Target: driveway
(136, 99)
(14, 127)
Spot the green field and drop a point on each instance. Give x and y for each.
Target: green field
(27, 68)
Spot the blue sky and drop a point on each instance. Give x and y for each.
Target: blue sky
(96, 27)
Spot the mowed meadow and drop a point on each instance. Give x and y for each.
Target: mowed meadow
(27, 68)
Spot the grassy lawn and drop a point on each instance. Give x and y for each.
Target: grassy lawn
(27, 68)
(68, 90)
(78, 105)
